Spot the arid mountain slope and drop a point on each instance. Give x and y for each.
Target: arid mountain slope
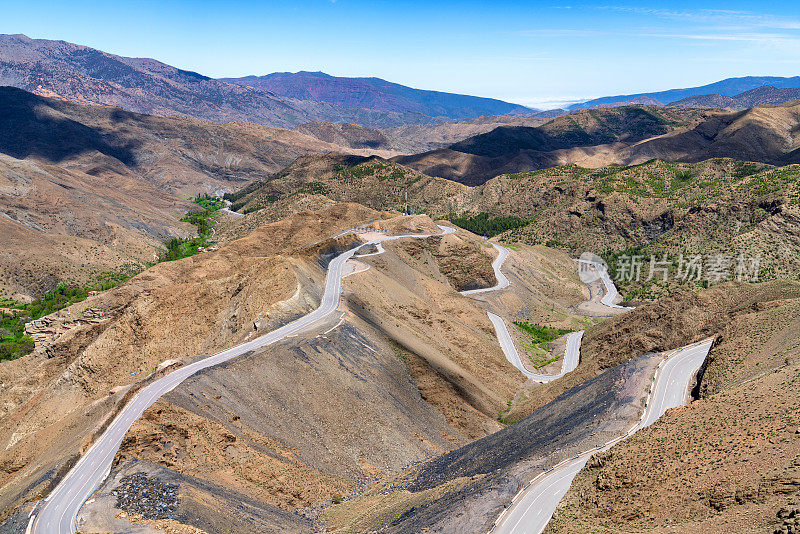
(764, 134)
(727, 463)
(114, 183)
(416, 138)
(619, 136)
(372, 181)
(565, 139)
(81, 74)
(346, 135)
(56, 397)
(761, 96)
(730, 461)
(375, 94)
(413, 370)
(719, 206)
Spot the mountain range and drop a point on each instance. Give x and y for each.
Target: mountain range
(376, 94)
(85, 75)
(619, 136)
(760, 96)
(727, 87)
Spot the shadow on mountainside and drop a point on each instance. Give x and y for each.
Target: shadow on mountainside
(32, 126)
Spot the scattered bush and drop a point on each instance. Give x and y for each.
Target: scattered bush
(486, 225)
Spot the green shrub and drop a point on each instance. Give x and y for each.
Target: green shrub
(486, 225)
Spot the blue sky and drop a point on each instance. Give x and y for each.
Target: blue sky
(527, 52)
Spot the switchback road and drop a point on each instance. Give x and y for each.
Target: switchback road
(58, 514)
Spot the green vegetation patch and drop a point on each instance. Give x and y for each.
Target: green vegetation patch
(536, 340)
(314, 188)
(178, 248)
(486, 225)
(13, 341)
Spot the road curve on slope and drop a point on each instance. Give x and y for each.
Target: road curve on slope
(533, 507)
(59, 511)
(502, 281)
(611, 292)
(571, 354)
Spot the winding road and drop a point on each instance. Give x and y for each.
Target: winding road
(59, 511)
(502, 281)
(532, 509)
(572, 351)
(571, 354)
(611, 292)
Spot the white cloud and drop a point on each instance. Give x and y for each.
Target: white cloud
(719, 16)
(548, 102)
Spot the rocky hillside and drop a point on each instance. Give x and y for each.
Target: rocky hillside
(84, 75)
(761, 96)
(716, 206)
(413, 362)
(619, 136)
(376, 95)
(764, 134)
(730, 461)
(173, 311)
(90, 188)
(372, 181)
(346, 135)
(416, 138)
(564, 139)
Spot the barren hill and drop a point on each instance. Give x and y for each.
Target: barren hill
(375, 94)
(656, 207)
(619, 136)
(763, 134)
(99, 182)
(728, 462)
(411, 371)
(562, 140)
(372, 181)
(346, 135)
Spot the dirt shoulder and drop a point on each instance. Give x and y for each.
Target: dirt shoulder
(465, 489)
(53, 400)
(727, 462)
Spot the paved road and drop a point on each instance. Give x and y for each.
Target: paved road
(533, 508)
(572, 353)
(58, 514)
(227, 209)
(611, 292)
(571, 356)
(502, 281)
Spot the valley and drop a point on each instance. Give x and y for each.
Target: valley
(304, 302)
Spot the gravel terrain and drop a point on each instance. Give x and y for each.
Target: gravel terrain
(499, 464)
(147, 496)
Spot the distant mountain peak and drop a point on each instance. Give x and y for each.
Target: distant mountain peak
(729, 87)
(376, 94)
(84, 75)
